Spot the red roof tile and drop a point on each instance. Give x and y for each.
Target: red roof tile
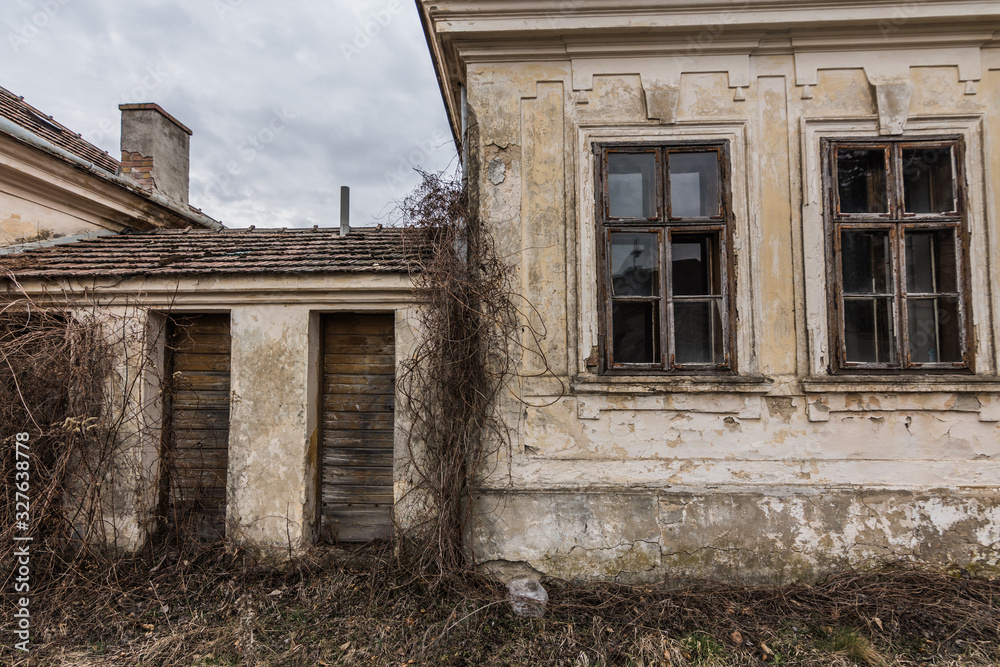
(229, 251)
(16, 110)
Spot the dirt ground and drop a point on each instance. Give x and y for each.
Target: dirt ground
(369, 607)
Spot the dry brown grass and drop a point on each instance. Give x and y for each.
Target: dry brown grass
(370, 607)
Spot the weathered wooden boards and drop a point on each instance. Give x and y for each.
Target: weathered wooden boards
(197, 451)
(359, 376)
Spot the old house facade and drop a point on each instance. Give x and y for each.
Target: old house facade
(762, 243)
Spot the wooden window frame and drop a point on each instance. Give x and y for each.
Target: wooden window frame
(664, 225)
(897, 221)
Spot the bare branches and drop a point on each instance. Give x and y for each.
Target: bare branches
(472, 331)
(53, 386)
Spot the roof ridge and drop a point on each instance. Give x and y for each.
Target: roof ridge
(15, 109)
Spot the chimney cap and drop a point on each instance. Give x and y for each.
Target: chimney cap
(151, 106)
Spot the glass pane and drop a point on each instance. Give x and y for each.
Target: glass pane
(928, 180)
(635, 332)
(866, 262)
(931, 262)
(861, 180)
(695, 262)
(868, 331)
(698, 337)
(632, 185)
(694, 184)
(635, 265)
(934, 326)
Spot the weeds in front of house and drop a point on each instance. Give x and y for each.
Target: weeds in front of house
(366, 606)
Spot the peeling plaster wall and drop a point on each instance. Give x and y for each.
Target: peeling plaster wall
(782, 472)
(23, 221)
(771, 535)
(272, 450)
(122, 511)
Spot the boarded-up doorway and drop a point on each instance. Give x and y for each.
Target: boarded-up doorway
(359, 378)
(197, 449)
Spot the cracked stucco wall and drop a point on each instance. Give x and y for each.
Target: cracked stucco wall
(766, 535)
(782, 472)
(23, 221)
(273, 434)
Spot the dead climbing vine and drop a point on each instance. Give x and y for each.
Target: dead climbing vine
(473, 328)
(53, 387)
(81, 383)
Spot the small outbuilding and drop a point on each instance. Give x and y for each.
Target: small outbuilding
(256, 369)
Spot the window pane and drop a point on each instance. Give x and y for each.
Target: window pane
(869, 334)
(632, 185)
(928, 180)
(934, 329)
(861, 180)
(694, 184)
(635, 332)
(698, 332)
(635, 265)
(866, 262)
(695, 262)
(931, 262)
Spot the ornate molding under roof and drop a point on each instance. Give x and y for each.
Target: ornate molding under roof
(662, 39)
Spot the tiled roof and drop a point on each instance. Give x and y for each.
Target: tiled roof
(242, 251)
(16, 110)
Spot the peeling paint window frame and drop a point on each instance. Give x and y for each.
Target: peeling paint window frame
(897, 223)
(664, 225)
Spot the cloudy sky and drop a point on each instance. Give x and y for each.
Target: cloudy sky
(287, 100)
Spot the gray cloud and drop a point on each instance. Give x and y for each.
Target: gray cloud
(287, 101)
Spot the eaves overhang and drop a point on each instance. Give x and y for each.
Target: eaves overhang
(482, 17)
(125, 190)
(460, 32)
(449, 85)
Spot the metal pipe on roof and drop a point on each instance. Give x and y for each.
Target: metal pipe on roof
(345, 210)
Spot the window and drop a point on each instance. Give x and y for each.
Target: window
(895, 254)
(664, 229)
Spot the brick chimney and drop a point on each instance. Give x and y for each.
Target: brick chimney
(156, 150)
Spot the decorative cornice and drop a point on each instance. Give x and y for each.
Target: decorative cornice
(662, 39)
(636, 16)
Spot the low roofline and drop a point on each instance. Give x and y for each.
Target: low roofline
(247, 252)
(62, 240)
(27, 137)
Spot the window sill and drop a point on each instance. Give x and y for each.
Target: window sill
(664, 384)
(895, 384)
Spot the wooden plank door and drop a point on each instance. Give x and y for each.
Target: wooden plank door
(359, 379)
(197, 452)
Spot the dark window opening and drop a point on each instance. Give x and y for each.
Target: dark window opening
(896, 254)
(664, 224)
